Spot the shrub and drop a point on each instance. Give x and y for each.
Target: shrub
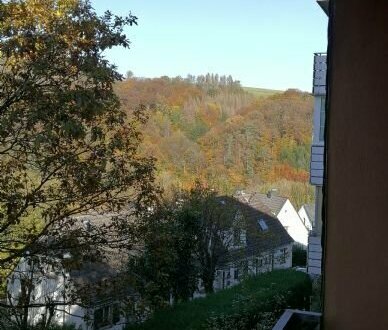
(256, 303)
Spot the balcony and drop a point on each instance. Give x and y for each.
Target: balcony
(293, 319)
(319, 76)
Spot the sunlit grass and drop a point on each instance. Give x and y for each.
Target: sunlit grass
(261, 92)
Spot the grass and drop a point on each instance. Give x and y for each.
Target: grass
(261, 92)
(252, 292)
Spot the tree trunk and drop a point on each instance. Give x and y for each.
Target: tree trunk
(208, 286)
(208, 279)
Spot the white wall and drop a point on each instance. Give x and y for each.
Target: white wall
(50, 284)
(254, 267)
(305, 218)
(291, 221)
(46, 284)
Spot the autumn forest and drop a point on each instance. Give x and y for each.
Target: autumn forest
(210, 128)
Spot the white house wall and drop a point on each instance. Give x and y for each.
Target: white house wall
(291, 221)
(52, 286)
(79, 316)
(230, 268)
(305, 218)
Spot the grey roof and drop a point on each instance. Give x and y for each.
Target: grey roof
(310, 210)
(272, 201)
(99, 281)
(324, 4)
(110, 266)
(257, 240)
(103, 277)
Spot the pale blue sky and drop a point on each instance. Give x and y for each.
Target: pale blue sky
(262, 43)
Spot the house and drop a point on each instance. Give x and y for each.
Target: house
(88, 294)
(263, 245)
(307, 215)
(282, 209)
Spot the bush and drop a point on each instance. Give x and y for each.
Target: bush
(316, 299)
(256, 303)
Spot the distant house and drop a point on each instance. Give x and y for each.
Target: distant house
(262, 246)
(307, 214)
(282, 209)
(98, 286)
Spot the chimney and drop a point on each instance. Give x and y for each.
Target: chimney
(87, 225)
(271, 192)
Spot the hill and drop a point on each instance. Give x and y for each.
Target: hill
(261, 92)
(214, 130)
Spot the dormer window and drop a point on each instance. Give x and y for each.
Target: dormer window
(262, 224)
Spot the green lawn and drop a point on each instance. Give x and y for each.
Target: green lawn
(248, 300)
(261, 92)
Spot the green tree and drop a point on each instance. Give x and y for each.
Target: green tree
(184, 239)
(129, 74)
(66, 146)
(166, 269)
(214, 217)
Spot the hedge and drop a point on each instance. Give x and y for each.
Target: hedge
(256, 303)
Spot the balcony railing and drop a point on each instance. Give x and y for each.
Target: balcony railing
(319, 77)
(293, 319)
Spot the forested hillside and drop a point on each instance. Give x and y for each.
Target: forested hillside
(209, 127)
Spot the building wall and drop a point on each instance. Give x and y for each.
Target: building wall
(319, 92)
(50, 284)
(314, 256)
(267, 261)
(291, 221)
(356, 224)
(317, 228)
(317, 120)
(305, 218)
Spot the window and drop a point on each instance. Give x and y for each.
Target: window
(268, 260)
(283, 256)
(236, 274)
(236, 236)
(105, 316)
(263, 225)
(322, 119)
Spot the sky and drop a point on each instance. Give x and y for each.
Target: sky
(262, 43)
